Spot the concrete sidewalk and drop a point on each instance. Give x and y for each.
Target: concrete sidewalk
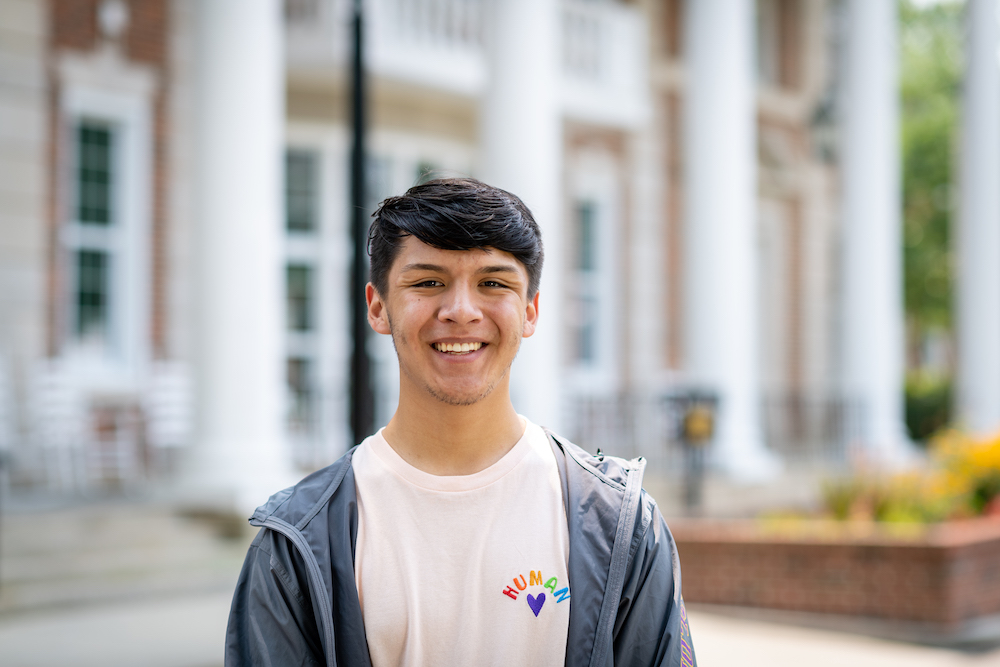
(721, 641)
(185, 631)
(188, 632)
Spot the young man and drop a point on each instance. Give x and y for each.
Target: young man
(461, 533)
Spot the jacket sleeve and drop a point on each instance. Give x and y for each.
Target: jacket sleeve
(652, 626)
(271, 621)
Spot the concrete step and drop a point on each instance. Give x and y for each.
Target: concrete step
(100, 552)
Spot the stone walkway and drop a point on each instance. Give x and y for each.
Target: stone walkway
(188, 632)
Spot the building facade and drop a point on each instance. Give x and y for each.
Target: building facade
(717, 184)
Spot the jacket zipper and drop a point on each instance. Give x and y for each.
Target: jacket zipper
(616, 570)
(312, 567)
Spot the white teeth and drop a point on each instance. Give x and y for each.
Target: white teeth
(457, 348)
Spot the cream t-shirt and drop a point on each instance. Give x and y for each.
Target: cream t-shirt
(463, 570)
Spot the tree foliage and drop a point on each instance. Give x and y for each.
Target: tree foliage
(931, 73)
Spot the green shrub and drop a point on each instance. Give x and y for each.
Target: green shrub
(928, 405)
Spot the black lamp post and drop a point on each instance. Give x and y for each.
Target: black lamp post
(362, 399)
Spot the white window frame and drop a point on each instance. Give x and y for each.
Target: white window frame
(122, 101)
(594, 180)
(305, 248)
(78, 236)
(326, 250)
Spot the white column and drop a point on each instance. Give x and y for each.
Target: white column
(978, 242)
(521, 143)
(645, 271)
(872, 273)
(240, 457)
(720, 294)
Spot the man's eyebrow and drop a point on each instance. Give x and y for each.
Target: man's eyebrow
(498, 268)
(422, 267)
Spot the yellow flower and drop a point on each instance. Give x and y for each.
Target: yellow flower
(962, 479)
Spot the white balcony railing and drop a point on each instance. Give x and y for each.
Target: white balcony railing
(431, 43)
(435, 43)
(604, 63)
(317, 34)
(439, 44)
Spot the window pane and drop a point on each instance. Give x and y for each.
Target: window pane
(93, 182)
(378, 181)
(585, 263)
(91, 293)
(585, 234)
(586, 345)
(299, 373)
(301, 191)
(300, 297)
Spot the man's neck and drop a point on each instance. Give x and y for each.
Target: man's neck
(443, 439)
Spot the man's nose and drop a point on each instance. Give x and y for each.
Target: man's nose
(460, 305)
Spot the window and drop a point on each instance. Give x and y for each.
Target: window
(586, 232)
(585, 264)
(301, 191)
(300, 297)
(91, 294)
(304, 264)
(593, 282)
(105, 147)
(299, 376)
(378, 181)
(93, 233)
(93, 174)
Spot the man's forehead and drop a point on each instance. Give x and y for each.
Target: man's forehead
(416, 255)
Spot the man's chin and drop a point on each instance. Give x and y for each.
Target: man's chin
(458, 391)
(460, 398)
(464, 396)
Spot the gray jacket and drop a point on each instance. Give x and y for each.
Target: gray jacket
(296, 602)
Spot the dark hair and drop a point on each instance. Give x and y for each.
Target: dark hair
(455, 214)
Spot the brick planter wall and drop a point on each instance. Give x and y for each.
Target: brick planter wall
(942, 574)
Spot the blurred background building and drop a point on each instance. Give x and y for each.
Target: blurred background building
(718, 183)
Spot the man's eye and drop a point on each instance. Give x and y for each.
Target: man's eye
(429, 283)
(492, 283)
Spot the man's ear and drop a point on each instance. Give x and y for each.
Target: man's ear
(530, 316)
(378, 318)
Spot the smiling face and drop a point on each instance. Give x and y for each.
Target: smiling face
(456, 318)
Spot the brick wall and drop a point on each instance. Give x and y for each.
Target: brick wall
(944, 575)
(73, 24)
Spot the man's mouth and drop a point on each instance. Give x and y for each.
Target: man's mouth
(457, 348)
